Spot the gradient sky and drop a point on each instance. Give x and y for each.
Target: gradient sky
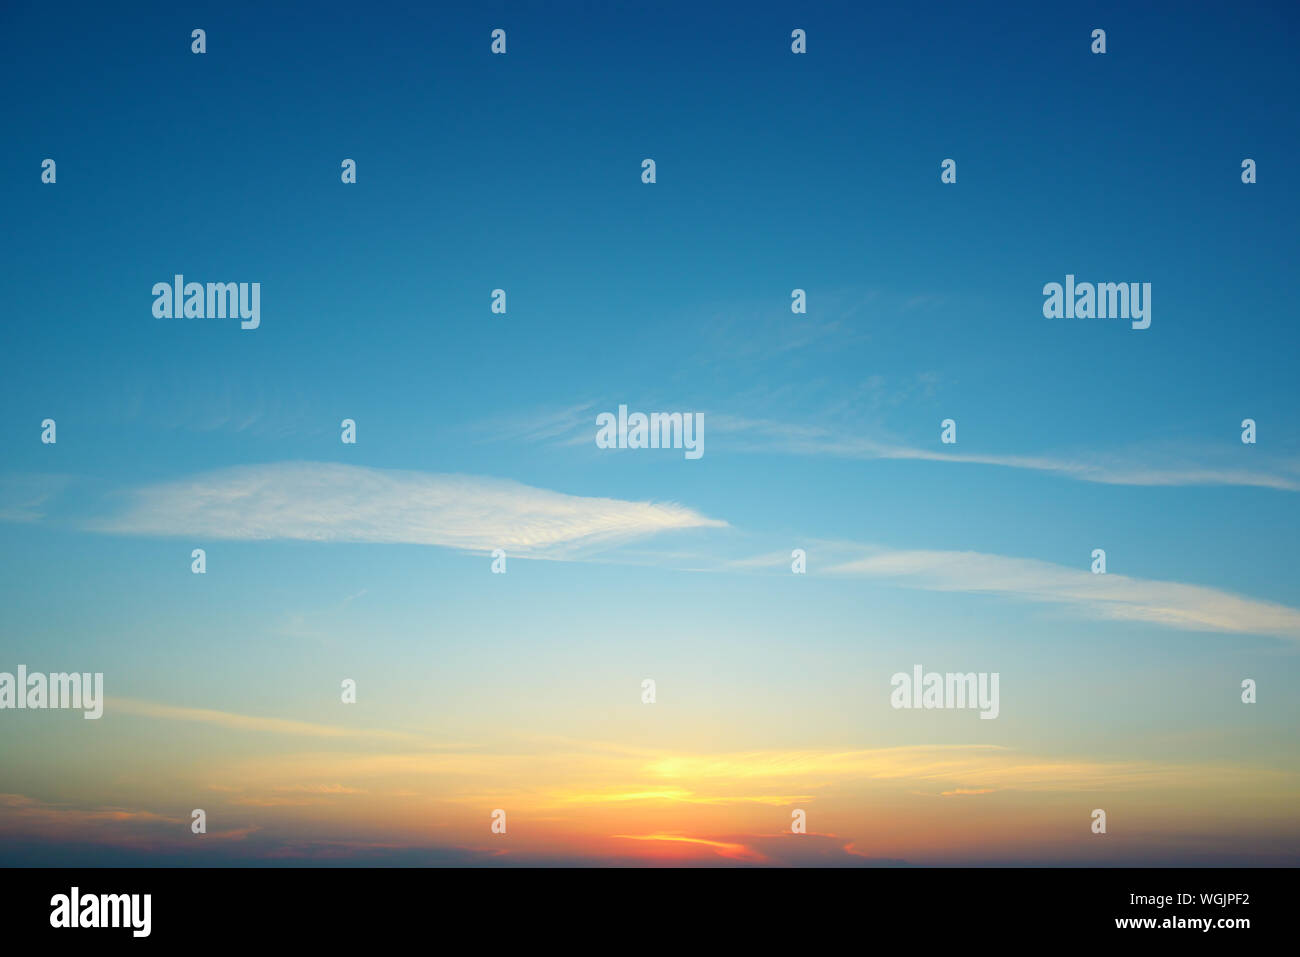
(479, 691)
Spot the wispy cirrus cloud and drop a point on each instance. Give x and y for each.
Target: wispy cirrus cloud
(247, 722)
(1189, 607)
(1158, 466)
(765, 435)
(23, 497)
(330, 502)
(1111, 596)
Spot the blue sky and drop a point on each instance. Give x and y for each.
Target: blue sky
(774, 172)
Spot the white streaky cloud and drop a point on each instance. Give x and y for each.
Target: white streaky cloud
(541, 426)
(1175, 605)
(328, 502)
(24, 497)
(1164, 465)
(761, 435)
(1115, 474)
(246, 722)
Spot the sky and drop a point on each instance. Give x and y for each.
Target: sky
(475, 431)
